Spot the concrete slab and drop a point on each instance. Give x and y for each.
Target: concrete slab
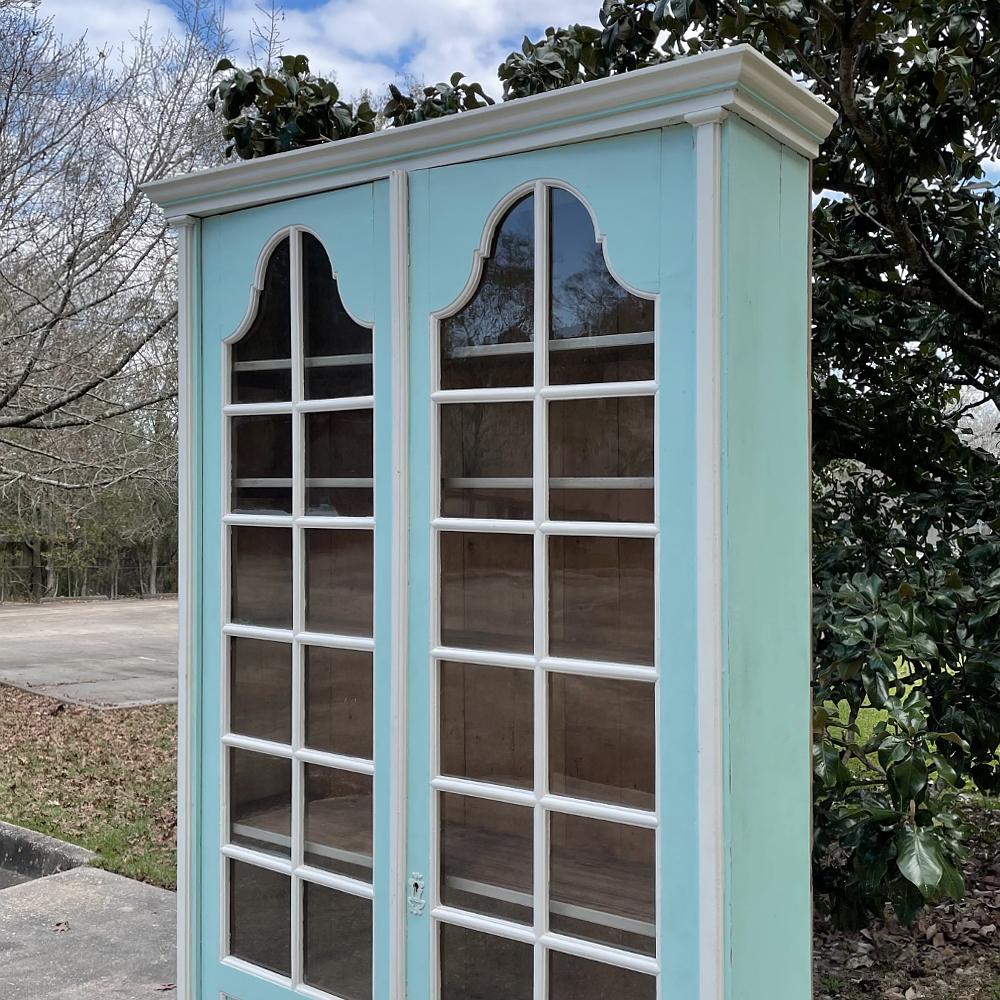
(98, 653)
(86, 934)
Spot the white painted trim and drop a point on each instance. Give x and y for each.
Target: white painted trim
(316, 521)
(258, 971)
(708, 487)
(482, 525)
(189, 235)
(562, 804)
(399, 297)
(551, 664)
(595, 668)
(599, 529)
(512, 931)
(738, 79)
(541, 862)
(496, 926)
(601, 953)
(514, 394)
(517, 394)
(329, 640)
(303, 406)
(519, 661)
(258, 632)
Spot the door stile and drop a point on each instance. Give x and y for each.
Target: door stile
(399, 297)
(540, 506)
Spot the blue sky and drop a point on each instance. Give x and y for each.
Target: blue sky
(365, 42)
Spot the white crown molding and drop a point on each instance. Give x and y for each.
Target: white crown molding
(738, 80)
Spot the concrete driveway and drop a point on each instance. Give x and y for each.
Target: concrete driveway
(99, 653)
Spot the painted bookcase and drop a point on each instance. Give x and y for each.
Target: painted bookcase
(495, 510)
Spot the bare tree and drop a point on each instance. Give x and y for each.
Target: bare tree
(266, 41)
(87, 266)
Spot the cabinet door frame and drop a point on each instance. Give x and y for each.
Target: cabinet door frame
(353, 225)
(484, 190)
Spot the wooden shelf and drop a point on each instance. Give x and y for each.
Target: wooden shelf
(313, 482)
(604, 341)
(285, 364)
(555, 483)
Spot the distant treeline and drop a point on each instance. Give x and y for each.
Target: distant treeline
(35, 571)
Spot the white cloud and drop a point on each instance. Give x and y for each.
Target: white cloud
(365, 42)
(361, 39)
(109, 24)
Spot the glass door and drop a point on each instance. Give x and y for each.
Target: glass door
(542, 877)
(298, 638)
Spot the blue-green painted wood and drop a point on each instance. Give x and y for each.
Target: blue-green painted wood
(677, 777)
(615, 176)
(384, 737)
(345, 230)
(766, 565)
(353, 226)
(221, 290)
(419, 503)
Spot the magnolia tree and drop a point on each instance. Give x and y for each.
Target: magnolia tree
(906, 380)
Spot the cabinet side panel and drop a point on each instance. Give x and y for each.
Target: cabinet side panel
(766, 572)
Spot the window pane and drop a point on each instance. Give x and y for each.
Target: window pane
(339, 463)
(599, 331)
(486, 852)
(572, 978)
(486, 460)
(339, 701)
(339, 580)
(602, 739)
(488, 342)
(260, 689)
(262, 464)
(486, 597)
(487, 724)
(262, 366)
(601, 459)
(260, 801)
(260, 904)
(262, 576)
(601, 598)
(478, 966)
(602, 882)
(338, 943)
(338, 351)
(339, 821)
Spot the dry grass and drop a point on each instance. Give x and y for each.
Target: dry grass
(102, 779)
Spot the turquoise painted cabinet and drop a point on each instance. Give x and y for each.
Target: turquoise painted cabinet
(495, 504)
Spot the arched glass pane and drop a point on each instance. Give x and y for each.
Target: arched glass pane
(599, 331)
(262, 357)
(488, 341)
(338, 351)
